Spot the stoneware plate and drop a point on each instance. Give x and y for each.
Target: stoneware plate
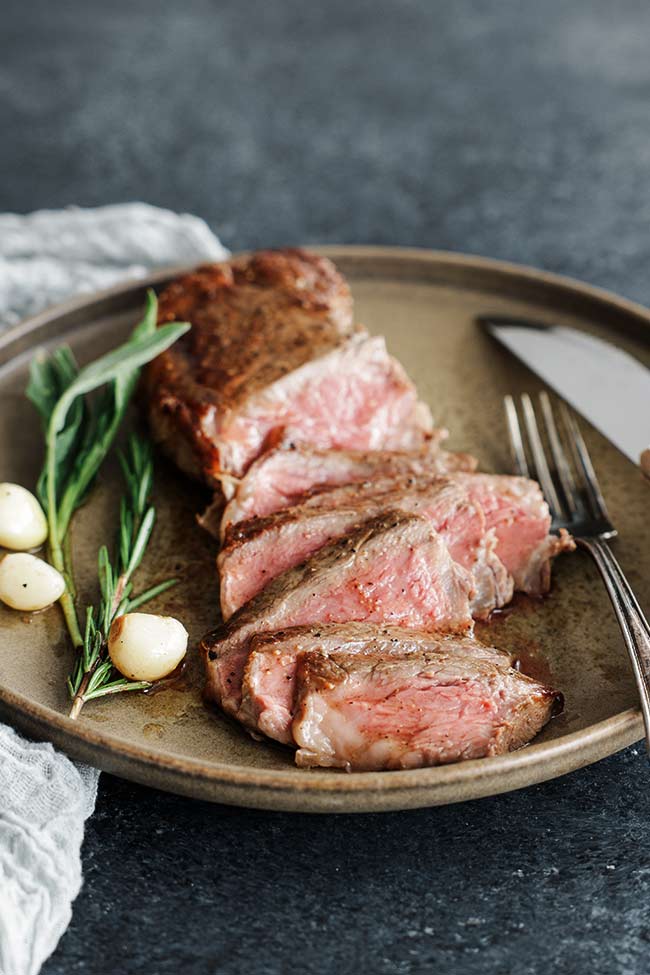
(426, 304)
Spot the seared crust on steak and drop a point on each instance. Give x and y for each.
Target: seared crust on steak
(254, 319)
(273, 357)
(292, 280)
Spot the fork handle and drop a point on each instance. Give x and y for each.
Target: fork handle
(634, 625)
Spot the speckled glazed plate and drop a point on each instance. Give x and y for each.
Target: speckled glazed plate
(425, 303)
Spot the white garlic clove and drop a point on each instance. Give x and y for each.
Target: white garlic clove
(22, 522)
(28, 583)
(146, 647)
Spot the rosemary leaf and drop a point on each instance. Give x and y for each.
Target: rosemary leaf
(117, 686)
(141, 542)
(148, 594)
(99, 676)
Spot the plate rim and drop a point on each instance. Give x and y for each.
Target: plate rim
(423, 255)
(318, 790)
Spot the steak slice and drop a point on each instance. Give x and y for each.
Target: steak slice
(257, 550)
(273, 358)
(364, 711)
(517, 512)
(280, 478)
(268, 688)
(392, 569)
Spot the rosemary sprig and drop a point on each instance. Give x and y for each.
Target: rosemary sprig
(79, 433)
(93, 675)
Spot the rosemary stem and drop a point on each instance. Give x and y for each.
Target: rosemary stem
(119, 593)
(70, 614)
(57, 557)
(67, 561)
(78, 700)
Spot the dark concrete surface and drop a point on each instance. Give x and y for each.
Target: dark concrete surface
(519, 130)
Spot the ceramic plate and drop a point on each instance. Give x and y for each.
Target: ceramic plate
(425, 304)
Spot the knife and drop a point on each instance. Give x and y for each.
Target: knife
(609, 387)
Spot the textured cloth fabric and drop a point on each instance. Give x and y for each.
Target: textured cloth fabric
(52, 254)
(44, 802)
(44, 797)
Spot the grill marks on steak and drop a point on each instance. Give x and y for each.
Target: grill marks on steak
(281, 478)
(257, 550)
(392, 569)
(273, 358)
(269, 681)
(363, 712)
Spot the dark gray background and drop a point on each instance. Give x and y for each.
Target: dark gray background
(514, 129)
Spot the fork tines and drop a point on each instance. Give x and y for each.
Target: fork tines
(540, 450)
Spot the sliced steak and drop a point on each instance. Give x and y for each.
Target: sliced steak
(517, 512)
(280, 478)
(273, 358)
(269, 678)
(257, 550)
(364, 712)
(459, 518)
(392, 569)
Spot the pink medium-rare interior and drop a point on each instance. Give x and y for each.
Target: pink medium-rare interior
(356, 397)
(399, 725)
(281, 478)
(515, 508)
(406, 584)
(410, 585)
(407, 720)
(270, 676)
(269, 684)
(246, 567)
(277, 479)
(445, 502)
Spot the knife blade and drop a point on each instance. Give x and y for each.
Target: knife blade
(604, 383)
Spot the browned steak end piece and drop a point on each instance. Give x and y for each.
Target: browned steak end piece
(269, 677)
(273, 358)
(366, 712)
(392, 569)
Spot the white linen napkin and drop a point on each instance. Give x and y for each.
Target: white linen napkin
(44, 797)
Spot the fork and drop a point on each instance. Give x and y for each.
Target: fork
(577, 504)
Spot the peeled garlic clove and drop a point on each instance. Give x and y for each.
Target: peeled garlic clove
(28, 583)
(22, 522)
(146, 647)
